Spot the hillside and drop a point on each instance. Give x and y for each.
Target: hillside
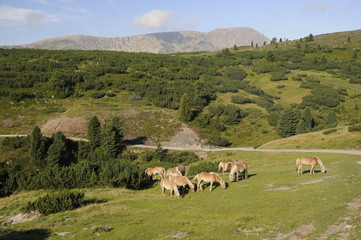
(238, 96)
(164, 42)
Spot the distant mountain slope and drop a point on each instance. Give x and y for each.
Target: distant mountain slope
(166, 42)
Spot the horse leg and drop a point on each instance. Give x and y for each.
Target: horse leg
(210, 187)
(200, 186)
(312, 171)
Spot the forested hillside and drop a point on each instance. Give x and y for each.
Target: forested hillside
(238, 96)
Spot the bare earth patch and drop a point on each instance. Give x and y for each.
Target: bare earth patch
(279, 188)
(186, 137)
(344, 226)
(23, 217)
(297, 234)
(66, 125)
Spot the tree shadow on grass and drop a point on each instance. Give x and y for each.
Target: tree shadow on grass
(34, 234)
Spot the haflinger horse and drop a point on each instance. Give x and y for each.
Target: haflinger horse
(208, 177)
(182, 169)
(313, 161)
(152, 172)
(170, 185)
(173, 172)
(239, 167)
(183, 182)
(224, 166)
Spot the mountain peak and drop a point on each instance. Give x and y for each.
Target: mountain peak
(162, 42)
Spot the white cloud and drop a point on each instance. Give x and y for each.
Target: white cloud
(155, 19)
(317, 6)
(19, 16)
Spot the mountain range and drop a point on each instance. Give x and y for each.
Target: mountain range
(163, 42)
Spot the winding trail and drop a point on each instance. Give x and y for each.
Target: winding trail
(218, 149)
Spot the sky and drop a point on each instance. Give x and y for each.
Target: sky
(27, 21)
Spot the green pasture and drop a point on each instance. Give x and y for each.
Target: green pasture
(273, 203)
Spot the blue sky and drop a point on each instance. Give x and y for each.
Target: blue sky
(26, 21)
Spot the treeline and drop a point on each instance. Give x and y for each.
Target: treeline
(57, 162)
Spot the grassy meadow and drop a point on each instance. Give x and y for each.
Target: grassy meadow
(273, 203)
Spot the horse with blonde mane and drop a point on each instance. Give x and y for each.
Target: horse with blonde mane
(183, 182)
(239, 167)
(182, 169)
(166, 184)
(313, 161)
(152, 172)
(173, 172)
(208, 177)
(224, 166)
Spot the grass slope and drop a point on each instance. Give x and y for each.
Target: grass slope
(341, 139)
(273, 203)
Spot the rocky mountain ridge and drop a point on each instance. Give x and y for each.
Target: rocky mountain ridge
(163, 42)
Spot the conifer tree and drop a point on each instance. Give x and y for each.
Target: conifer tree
(287, 123)
(57, 152)
(37, 147)
(306, 122)
(110, 144)
(185, 108)
(331, 119)
(94, 133)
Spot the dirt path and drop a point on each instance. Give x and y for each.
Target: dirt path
(201, 148)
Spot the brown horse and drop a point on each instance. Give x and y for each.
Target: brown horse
(182, 169)
(224, 166)
(208, 177)
(237, 168)
(166, 184)
(152, 172)
(173, 172)
(313, 161)
(183, 182)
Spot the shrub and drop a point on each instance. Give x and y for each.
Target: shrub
(329, 131)
(203, 167)
(56, 202)
(98, 95)
(355, 128)
(238, 99)
(111, 94)
(280, 86)
(219, 141)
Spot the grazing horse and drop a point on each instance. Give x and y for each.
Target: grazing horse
(224, 166)
(237, 168)
(183, 182)
(152, 172)
(313, 161)
(173, 172)
(166, 184)
(208, 177)
(182, 169)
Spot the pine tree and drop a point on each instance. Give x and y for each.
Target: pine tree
(185, 108)
(287, 123)
(235, 47)
(94, 132)
(110, 144)
(57, 152)
(306, 122)
(331, 120)
(37, 147)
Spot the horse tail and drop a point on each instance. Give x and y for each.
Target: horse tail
(297, 163)
(219, 166)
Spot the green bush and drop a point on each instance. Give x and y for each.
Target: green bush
(203, 167)
(329, 131)
(56, 202)
(355, 128)
(98, 95)
(219, 141)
